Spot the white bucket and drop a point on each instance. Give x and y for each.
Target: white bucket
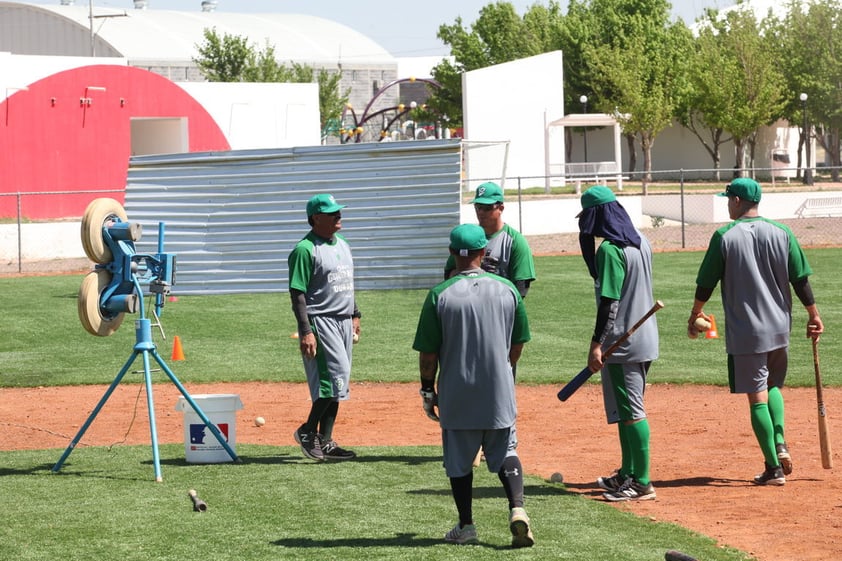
(200, 445)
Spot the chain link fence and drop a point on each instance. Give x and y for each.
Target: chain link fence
(677, 212)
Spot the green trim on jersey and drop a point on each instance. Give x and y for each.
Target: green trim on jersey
(611, 269)
(429, 337)
(521, 263)
(712, 268)
(300, 260)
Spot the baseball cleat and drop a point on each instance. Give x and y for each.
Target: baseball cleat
(784, 458)
(332, 452)
(773, 475)
(519, 525)
(631, 490)
(612, 483)
(311, 444)
(462, 535)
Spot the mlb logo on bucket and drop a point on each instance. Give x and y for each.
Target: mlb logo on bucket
(199, 431)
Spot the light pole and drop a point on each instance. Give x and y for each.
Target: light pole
(583, 99)
(808, 171)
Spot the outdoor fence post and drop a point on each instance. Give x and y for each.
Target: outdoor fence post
(683, 224)
(20, 236)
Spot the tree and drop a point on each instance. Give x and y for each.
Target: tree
(811, 41)
(499, 35)
(747, 90)
(636, 65)
(231, 59)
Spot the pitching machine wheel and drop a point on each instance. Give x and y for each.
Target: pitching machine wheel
(89, 311)
(98, 214)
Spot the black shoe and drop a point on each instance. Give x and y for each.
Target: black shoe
(311, 444)
(773, 475)
(784, 458)
(632, 490)
(333, 452)
(611, 483)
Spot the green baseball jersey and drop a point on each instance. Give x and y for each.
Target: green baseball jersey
(624, 274)
(507, 254)
(755, 259)
(324, 271)
(471, 321)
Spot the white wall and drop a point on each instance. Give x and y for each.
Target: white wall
(262, 115)
(23, 70)
(512, 102)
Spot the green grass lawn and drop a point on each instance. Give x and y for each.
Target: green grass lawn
(390, 504)
(246, 337)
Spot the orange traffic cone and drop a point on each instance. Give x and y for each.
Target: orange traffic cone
(177, 351)
(712, 333)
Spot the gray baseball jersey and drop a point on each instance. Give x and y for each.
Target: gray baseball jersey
(625, 275)
(324, 271)
(471, 320)
(756, 259)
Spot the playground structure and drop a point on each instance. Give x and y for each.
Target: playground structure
(392, 123)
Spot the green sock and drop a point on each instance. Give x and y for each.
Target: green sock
(776, 411)
(627, 463)
(639, 442)
(761, 422)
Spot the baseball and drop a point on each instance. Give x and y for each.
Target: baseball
(701, 324)
(557, 478)
(259, 421)
(356, 338)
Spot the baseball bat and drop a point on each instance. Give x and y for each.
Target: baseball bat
(673, 555)
(582, 377)
(198, 504)
(824, 435)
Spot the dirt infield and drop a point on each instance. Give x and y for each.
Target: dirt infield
(703, 451)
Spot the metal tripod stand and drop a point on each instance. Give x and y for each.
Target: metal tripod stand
(113, 289)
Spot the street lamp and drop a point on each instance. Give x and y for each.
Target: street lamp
(808, 171)
(583, 99)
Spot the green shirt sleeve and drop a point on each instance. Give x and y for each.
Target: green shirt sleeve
(611, 270)
(428, 335)
(300, 265)
(521, 266)
(798, 266)
(713, 263)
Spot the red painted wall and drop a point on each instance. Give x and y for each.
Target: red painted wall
(51, 142)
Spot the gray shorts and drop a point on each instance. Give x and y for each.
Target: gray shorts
(460, 447)
(329, 374)
(622, 391)
(757, 372)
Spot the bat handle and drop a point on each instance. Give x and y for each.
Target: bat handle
(198, 504)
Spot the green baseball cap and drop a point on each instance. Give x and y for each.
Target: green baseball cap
(323, 204)
(597, 195)
(489, 193)
(467, 237)
(745, 188)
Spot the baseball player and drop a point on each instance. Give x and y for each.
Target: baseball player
(755, 260)
(507, 253)
(622, 271)
(471, 332)
(321, 287)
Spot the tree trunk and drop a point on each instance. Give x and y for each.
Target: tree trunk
(739, 152)
(632, 154)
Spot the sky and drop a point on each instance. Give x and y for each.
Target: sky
(402, 29)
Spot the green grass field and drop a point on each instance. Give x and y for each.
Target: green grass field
(392, 504)
(247, 337)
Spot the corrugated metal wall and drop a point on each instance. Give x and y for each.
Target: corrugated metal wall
(231, 218)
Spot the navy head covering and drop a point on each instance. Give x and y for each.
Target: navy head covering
(609, 221)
